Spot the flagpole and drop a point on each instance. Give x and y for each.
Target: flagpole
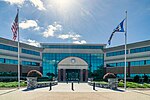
(125, 53)
(18, 53)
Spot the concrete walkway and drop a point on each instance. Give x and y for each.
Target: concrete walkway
(81, 91)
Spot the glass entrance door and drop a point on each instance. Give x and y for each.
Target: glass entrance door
(72, 74)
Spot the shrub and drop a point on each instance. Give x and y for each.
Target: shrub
(136, 78)
(50, 76)
(108, 75)
(145, 78)
(34, 73)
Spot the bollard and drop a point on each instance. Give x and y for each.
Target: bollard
(94, 86)
(50, 86)
(72, 86)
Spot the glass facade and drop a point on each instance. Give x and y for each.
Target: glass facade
(30, 52)
(50, 61)
(72, 46)
(10, 48)
(8, 61)
(12, 61)
(116, 53)
(132, 63)
(117, 64)
(137, 50)
(30, 63)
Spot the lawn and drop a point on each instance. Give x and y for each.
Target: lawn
(11, 84)
(134, 85)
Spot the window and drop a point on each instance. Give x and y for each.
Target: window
(30, 63)
(116, 53)
(137, 50)
(137, 63)
(30, 52)
(10, 48)
(72, 46)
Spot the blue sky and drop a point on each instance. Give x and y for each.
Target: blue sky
(75, 21)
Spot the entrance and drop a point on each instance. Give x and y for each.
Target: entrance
(72, 74)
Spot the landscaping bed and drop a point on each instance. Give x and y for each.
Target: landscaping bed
(11, 84)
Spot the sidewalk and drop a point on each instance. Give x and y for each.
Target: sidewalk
(82, 91)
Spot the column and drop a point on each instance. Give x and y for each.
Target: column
(59, 77)
(86, 75)
(81, 75)
(64, 75)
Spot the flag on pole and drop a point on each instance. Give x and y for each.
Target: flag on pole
(14, 27)
(119, 28)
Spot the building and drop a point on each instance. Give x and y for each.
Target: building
(75, 62)
(70, 62)
(138, 59)
(30, 58)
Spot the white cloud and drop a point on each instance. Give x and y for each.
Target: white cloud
(51, 29)
(70, 35)
(29, 24)
(32, 42)
(79, 42)
(18, 2)
(38, 3)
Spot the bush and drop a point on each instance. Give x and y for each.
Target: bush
(136, 78)
(108, 75)
(34, 73)
(50, 76)
(145, 78)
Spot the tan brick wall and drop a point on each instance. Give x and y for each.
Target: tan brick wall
(133, 69)
(14, 68)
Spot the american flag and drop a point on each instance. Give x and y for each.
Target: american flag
(14, 27)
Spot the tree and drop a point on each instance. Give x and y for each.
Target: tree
(108, 75)
(34, 73)
(50, 76)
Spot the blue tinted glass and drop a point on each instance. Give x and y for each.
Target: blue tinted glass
(30, 63)
(116, 53)
(30, 52)
(10, 48)
(50, 61)
(72, 46)
(137, 50)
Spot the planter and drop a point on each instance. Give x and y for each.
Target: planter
(31, 82)
(113, 83)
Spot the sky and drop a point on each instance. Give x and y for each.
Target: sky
(75, 21)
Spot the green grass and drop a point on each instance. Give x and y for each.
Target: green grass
(129, 84)
(134, 85)
(101, 82)
(11, 84)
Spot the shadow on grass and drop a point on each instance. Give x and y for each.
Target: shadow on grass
(8, 92)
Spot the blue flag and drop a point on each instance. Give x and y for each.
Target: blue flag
(119, 28)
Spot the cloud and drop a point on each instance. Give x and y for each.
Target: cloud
(51, 29)
(29, 24)
(79, 42)
(70, 35)
(17, 2)
(38, 3)
(31, 42)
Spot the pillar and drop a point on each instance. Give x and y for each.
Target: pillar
(64, 75)
(86, 75)
(59, 77)
(81, 75)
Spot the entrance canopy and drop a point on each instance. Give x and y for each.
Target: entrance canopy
(72, 63)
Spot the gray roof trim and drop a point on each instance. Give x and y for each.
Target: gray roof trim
(15, 44)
